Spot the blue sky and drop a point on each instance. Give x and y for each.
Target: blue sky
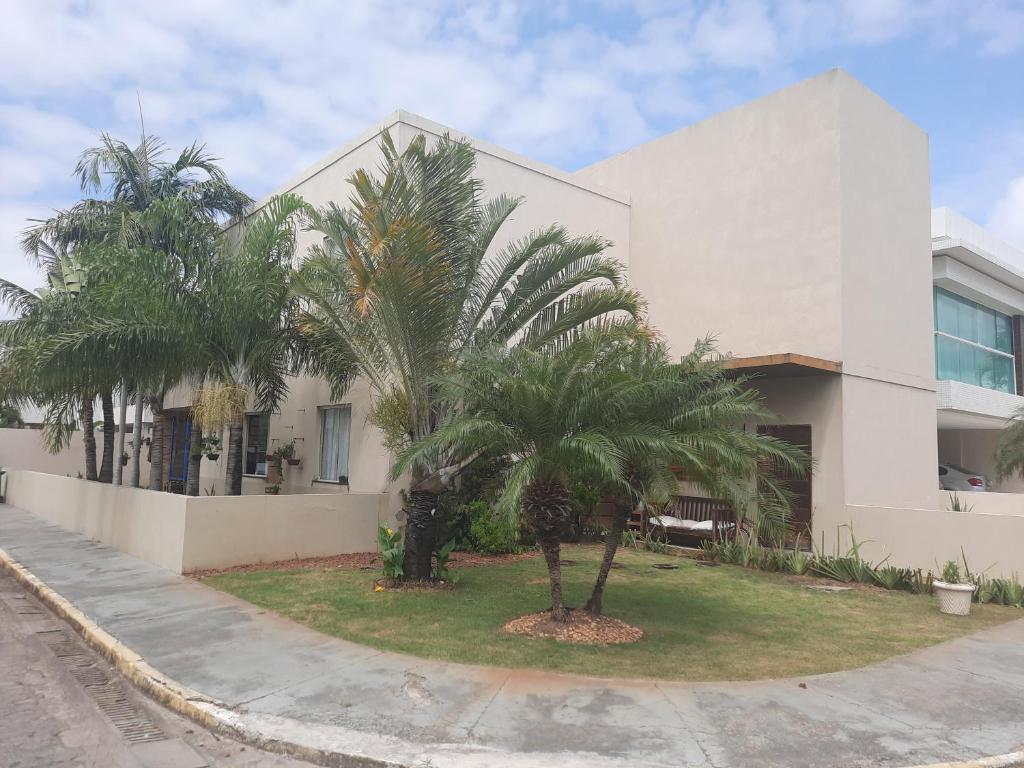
(271, 86)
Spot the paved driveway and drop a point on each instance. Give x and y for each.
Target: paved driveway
(956, 701)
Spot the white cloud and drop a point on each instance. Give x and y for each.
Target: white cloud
(271, 86)
(1007, 217)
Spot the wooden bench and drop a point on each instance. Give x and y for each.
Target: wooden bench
(714, 519)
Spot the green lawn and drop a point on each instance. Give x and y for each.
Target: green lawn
(724, 623)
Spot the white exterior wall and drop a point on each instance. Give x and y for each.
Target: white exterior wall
(550, 197)
(736, 225)
(800, 223)
(184, 533)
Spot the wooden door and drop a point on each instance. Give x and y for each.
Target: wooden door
(800, 436)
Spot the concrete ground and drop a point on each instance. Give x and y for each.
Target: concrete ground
(51, 715)
(957, 701)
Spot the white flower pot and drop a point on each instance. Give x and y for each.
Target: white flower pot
(954, 599)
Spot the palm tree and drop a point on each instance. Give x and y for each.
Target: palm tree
(249, 346)
(608, 408)
(1010, 449)
(10, 416)
(702, 410)
(408, 281)
(152, 203)
(555, 417)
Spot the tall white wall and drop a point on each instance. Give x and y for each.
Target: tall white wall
(800, 223)
(736, 225)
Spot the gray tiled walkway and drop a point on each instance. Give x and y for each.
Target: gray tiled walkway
(956, 701)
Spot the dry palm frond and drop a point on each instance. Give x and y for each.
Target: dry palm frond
(215, 406)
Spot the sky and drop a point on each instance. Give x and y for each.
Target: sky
(270, 87)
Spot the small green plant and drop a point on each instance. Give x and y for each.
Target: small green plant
(955, 505)
(392, 552)
(891, 577)
(658, 547)
(286, 450)
(441, 561)
(798, 561)
(211, 491)
(950, 572)
(490, 534)
(630, 539)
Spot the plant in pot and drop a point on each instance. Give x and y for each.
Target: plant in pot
(953, 590)
(124, 458)
(272, 489)
(211, 447)
(287, 452)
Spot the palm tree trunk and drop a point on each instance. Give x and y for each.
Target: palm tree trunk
(156, 448)
(233, 478)
(121, 419)
(552, 550)
(195, 458)
(107, 465)
(89, 437)
(420, 534)
(548, 510)
(135, 475)
(611, 546)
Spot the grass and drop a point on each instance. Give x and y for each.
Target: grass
(725, 623)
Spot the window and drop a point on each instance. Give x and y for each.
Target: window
(335, 429)
(973, 344)
(257, 432)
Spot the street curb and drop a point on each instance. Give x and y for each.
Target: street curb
(996, 761)
(204, 710)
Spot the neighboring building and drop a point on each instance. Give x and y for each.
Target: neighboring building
(795, 229)
(979, 303)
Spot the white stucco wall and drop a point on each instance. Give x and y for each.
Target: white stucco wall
(24, 449)
(182, 533)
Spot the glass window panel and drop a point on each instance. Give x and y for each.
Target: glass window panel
(1004, 333)
(334, 443)
(967, 365)
(985, 362)
(966, 320)
(257, 429)
(986, 319)
(1004, 374)
(945, 312)
(947, 365)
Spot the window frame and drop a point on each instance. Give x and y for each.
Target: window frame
(245, 443)
(321, 413)
(993, 353)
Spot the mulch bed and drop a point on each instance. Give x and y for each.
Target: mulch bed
(582, 628)
(359, 561)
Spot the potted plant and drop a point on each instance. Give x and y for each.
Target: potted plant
(273, 489)
(211, 447)
(954, 592)
(287, 452)
(124, 458)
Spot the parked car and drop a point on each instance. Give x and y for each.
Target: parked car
(956, 478)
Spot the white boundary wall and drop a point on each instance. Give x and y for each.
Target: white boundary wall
(991, 535)
(184, 533)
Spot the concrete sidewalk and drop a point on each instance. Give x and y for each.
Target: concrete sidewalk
(274, 678)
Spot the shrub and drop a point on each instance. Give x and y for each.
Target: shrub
(442, 558)
(487, 533)
(891, 577)
(392, 552)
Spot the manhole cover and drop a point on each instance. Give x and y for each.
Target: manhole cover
(826, 588)
(567, 562)
(665, 566)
